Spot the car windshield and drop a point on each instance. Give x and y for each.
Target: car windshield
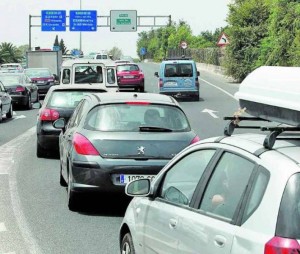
(67, 99)
(127, 117)
(38, 73)
(127, 67)
(9, 80)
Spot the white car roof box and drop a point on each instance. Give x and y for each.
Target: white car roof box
(272, 93)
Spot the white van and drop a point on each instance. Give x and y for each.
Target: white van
(91, 72)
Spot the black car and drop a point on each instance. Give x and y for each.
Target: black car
(59, 102)
(5, 103)
(114, 138)
(21, 89)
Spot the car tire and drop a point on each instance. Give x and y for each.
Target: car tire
(127, 246)
(72, 197)
(40, 151)
(142, 88)
(29, 105)
(62, 181)
(9, 114)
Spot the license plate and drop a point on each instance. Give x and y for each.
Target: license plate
(40, 82)
(170, 84)
(128, 76)
(128, 178)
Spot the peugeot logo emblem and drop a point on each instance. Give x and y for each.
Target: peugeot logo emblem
(141, 150)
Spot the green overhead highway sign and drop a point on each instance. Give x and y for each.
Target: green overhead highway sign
(123, 21)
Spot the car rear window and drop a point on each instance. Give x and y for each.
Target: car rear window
(179, 70)
(10, 80)
(289, 211)
(127, 67)
(129, 117)
(67, 99)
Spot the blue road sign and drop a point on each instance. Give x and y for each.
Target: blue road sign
(83, 20)
(56, 48)
(53, 20)
(143, 51)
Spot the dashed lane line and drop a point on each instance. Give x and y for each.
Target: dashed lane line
(2, 227)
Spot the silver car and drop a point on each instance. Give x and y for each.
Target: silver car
(114, 138)
(225, 195)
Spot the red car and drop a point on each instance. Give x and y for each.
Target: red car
(130, 76)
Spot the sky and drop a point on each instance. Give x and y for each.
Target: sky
(201, 15)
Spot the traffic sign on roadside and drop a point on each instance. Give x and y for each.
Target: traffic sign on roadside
(143, 51)
(183, 45)
(123, 21)
(53, 20)
(223, 40)
(83, 20)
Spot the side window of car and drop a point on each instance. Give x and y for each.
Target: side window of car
(257, 192)
(74, 117)
(226, 186)
(111, 78)
(181, 180)
(1, 87)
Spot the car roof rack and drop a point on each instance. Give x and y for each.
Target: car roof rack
(285, 132)
(183, 57)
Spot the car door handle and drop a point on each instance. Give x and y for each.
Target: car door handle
(220, 241)
(173, 223)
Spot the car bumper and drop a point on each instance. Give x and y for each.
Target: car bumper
(91, 177)
(43, 89)
(180, 94)
(48, 136)
(19, 99)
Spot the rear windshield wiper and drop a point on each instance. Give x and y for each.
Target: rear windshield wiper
(154, 129)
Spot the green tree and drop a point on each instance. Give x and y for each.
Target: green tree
(246, 32)
(56, 43)
(9, 53)
(115, 52)
(63, 47)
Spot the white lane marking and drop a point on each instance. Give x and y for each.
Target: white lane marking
(14, 113)
(219, 89)
(9, 253)
(14, 150)
(210, 112)
(2, 227)
(19, 117)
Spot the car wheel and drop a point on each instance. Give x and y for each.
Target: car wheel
(142, 88)
(40, 151)
(72, 202)
(9, 114)
(61, 179)
(127, 246)
(29, 105)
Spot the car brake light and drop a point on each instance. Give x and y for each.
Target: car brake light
(49, 115)
(195, 139)
(280, 245)
(20, 89)
(50, 80)
(138, 102)
(83, 146)
(161, 82)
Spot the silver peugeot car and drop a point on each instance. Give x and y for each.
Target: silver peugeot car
(114, 138)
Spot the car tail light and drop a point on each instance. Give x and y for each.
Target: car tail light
(138, 102)
(161, 83)
(83, 146)
(280, 245)
(20, 89)
(50, 80)
(49, 115)
(195, 139)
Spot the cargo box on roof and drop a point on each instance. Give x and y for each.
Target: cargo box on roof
(272, 93)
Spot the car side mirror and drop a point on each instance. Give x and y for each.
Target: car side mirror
(140, 187)
(198, 73)
(37, 105)
(66, 81)
(60, 124)
(156, 74)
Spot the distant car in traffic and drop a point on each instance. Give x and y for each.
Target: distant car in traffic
(11, 67)
(5, 103)
(178, 77)
(21, 88)
(130, 76)
(114, 138)
(59, 102)
(42, 77)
